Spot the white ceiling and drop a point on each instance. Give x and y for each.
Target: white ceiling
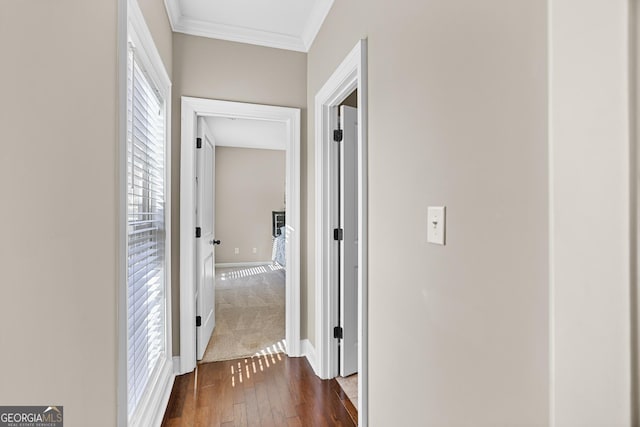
(284, 24)
(246, 133)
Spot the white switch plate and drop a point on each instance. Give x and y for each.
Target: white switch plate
(436, 225)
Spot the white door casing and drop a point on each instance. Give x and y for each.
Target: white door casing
(205, 249)
(192, 108)
(349, 242)
(349, 75)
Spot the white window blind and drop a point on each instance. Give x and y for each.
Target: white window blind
(145, 232)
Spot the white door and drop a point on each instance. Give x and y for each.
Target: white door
(349, 243)
(205, 244)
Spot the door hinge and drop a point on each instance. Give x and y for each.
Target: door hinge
(198, 232)
(337, 332)
(198, 321)
(338, 234)
(337, 135)
(198, 142)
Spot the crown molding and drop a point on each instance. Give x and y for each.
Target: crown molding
(318, 14)
(239, 34)
(173, 11)
(181, 24)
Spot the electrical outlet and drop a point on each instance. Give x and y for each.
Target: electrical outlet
(236, 251)
(255, 250)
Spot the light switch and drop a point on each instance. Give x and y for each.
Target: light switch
(436, 216)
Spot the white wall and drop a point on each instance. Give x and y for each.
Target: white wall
(589, 185)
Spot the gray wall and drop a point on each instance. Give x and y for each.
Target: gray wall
(250, 184)
(155, 15)
(458, 109)
(58, 220)
(457, 117)
(218, 69)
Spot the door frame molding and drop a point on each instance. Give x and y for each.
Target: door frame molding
(351, 74)
(191, 109)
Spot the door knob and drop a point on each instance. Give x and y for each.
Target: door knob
(214, 242)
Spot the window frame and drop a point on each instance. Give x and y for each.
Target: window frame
(134, 31)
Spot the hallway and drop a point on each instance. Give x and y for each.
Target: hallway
(271, 390)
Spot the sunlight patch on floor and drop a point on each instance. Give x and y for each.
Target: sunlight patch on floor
(262, 360)
(252, 271)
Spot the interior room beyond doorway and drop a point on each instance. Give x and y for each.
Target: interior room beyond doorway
(250, 209)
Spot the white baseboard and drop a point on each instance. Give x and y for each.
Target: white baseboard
(242, 264)
(309, 352)
(152, 406)
(176, 365)
(164, 403)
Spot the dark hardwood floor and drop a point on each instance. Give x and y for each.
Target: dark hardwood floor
(272, 390)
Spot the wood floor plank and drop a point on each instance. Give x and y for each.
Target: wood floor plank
(351, 410)
(277, 408)
(228, 413)
(178, 397)
(204, 417)
(271, 390)
(294, 422)
(253, 416)
(264, 406)
(240, 415)
(237, 393)
(287, 400)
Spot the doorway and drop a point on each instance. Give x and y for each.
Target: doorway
(250, 212)
(333, 215)
(192, 109)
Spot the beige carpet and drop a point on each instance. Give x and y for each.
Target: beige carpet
(350, 387)
(250, 313)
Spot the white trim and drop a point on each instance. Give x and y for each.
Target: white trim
(242, 264)
(350, 74)
(121, 215)
(235, 33)
(363, 232)
(146, 50)
(164, 401)
(176, 365)
(191, 108)
(317, 16)
(339, 85)
(217, 30)
(309, 352)
(173, 12)
(551, 218)
(153, 406)
(634, 45)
